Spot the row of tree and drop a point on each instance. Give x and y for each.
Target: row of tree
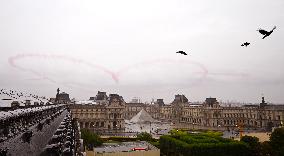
(273, 147)
(181, 143)
(201, 144)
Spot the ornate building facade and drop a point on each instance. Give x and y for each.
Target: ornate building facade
(107, 114)
(210, 115)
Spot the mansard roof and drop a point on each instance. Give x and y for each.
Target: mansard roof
(180, 99)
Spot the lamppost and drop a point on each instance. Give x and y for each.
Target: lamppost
(150, 127)
(237, 128)
(240, 128)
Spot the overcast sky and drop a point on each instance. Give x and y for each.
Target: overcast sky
(128, 47)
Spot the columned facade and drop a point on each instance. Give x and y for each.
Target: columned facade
(106, 117)
(107, 114)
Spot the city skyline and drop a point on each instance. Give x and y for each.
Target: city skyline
(9, 95)
(129, 48)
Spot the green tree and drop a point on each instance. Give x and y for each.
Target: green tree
(266, 149)
(144, 136)
(201, 144)
(277, 138)
(253, 143)
(90, 139)
(277, 141)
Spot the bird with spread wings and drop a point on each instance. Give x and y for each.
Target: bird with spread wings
(265, 33)
(182, 52)
(245, 44)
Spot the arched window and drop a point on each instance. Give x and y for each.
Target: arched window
(92, 125)
(114, 125)
(87, 125)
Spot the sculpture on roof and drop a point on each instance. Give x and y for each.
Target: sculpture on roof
(57, 95)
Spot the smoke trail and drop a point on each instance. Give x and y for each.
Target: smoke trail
(114, 75)
(13, 59)
(203, 69)
(234, 74)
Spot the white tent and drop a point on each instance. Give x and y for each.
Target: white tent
(142, 117)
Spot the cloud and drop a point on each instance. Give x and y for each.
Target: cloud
(84, 46)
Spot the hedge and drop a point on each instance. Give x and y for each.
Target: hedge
(201, 145)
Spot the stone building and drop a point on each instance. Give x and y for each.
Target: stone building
(104, 115)
(107, 114)
(210, 115)
(62, 98)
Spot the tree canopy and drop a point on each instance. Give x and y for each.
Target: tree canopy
(144, 136)
(254, 144)
(90, 139)
(201, 144)
(277, 141)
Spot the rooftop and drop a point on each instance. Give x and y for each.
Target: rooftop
(86, 102)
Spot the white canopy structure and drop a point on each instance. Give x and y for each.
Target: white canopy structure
(142, 117)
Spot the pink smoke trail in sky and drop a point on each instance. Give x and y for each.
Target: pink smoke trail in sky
(114, 75)
(204, 71)
(12, 60)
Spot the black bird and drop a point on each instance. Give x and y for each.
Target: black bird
(182, 52)
(245, 44)
(265, 33)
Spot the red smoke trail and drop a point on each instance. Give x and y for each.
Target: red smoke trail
(203, 72)
(13, 59)
(227, 74)
(236, 74)
(114, 75)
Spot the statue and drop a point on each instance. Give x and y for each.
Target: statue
(263, 100)
(57, 96)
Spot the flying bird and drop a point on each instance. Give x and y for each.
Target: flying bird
(265, 33)
(182, 52)
(245, 44)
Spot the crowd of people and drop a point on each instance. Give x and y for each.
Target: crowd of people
(18, 121)
(66, 139)
(14, 94)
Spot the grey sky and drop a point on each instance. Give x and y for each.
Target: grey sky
(65, 41)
